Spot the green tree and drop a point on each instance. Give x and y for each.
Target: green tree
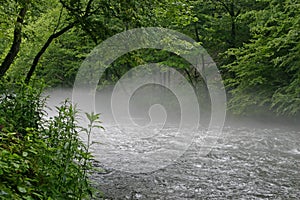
(266, 71)
(17, 38)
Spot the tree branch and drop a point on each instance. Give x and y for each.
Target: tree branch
(224, 5)
(59, 18)
(44, 48)
(190, 77)
(15, 47)
(88, 8)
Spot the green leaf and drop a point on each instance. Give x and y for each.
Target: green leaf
(22, 189)
(16, 165)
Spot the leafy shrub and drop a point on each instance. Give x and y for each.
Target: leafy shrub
(41, 159)
(21, 106)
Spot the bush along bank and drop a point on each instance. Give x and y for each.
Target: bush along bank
(42, 158)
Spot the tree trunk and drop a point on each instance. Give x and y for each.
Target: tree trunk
(44, 48)
(233, 33)
(233, 28)
(15, 47)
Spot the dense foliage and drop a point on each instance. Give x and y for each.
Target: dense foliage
(41, 158)
(255, 43)
(266, 71)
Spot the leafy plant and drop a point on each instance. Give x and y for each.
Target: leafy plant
(47, 161)
(21, 106)
(94, 123)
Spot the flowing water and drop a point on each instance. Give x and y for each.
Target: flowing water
(246, 163)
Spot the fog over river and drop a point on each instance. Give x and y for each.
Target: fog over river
(256, 160)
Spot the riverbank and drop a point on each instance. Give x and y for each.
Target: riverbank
(268, 120)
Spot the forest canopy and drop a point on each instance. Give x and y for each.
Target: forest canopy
(254, 43)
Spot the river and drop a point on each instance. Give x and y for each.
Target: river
(246, 163)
